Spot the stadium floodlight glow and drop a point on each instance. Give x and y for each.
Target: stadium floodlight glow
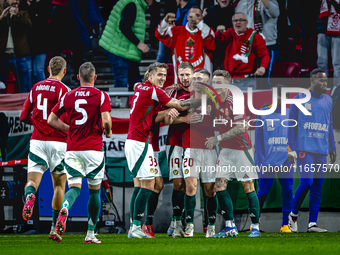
(238, 100)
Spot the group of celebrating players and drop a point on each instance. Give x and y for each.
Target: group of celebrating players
(67, 139)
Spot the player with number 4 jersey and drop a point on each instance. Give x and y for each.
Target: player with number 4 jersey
(48, 145)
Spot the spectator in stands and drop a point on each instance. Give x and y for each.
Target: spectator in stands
(39, 12)
(123, 41)
(244, 47)
(73, 19)
(14, 27)
(4, 130)
(192, 43)
(164, 53)
(219, 14)
(329, 37)
(262, 15)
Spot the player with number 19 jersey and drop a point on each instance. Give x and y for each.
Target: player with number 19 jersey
(41, 99)
(83, 106)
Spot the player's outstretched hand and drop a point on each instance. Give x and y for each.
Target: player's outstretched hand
(108, 135)
(211, 143)
(332, 154)
(173, 113)
(194, 118)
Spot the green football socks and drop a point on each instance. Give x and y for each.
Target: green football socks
(93, 208)
(151, 208)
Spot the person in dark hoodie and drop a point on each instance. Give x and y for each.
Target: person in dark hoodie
(220, 14)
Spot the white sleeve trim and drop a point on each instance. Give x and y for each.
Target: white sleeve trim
(60, 93)
(62, 102)
(204, 28)
(154, 95)
(31, 97)
(102, 99)
(163, 27)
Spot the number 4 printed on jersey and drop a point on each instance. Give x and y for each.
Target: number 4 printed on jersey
(42, 107)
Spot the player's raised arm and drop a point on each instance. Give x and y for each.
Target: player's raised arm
(183, 105)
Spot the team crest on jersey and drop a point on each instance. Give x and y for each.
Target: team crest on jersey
(217, 105)
(226, 112)
(189, 49)
(175, 172)
(156, 171)
(186, 171)
(152, 170)
(308, 106)
(209, 109)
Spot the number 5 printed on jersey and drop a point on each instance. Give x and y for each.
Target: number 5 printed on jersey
(80, 110)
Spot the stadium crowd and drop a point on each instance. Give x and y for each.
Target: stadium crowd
(209, 51)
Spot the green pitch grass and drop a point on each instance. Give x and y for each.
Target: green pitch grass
(269, 243)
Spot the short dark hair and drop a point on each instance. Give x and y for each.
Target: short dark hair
(223, 73)
(203, 71)
(153, 67)
(315, 71)
(184, 65)
(87, 71)
(196, 7)
(57, 64)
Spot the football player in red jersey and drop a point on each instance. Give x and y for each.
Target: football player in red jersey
(235, 160)
(147, 99)
(48, 145)
(174, 147)
(88, 111)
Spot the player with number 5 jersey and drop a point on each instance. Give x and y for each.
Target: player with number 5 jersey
(88, 111)
(48, 145)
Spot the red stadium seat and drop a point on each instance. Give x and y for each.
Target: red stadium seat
(286, 70)
(311, 55)
(10, 83)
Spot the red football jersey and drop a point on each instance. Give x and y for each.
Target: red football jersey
(194, 46)
(176, 131)
(240, 142)
(42, 98)
(84, 106)
(195, 135)
(146, 99)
